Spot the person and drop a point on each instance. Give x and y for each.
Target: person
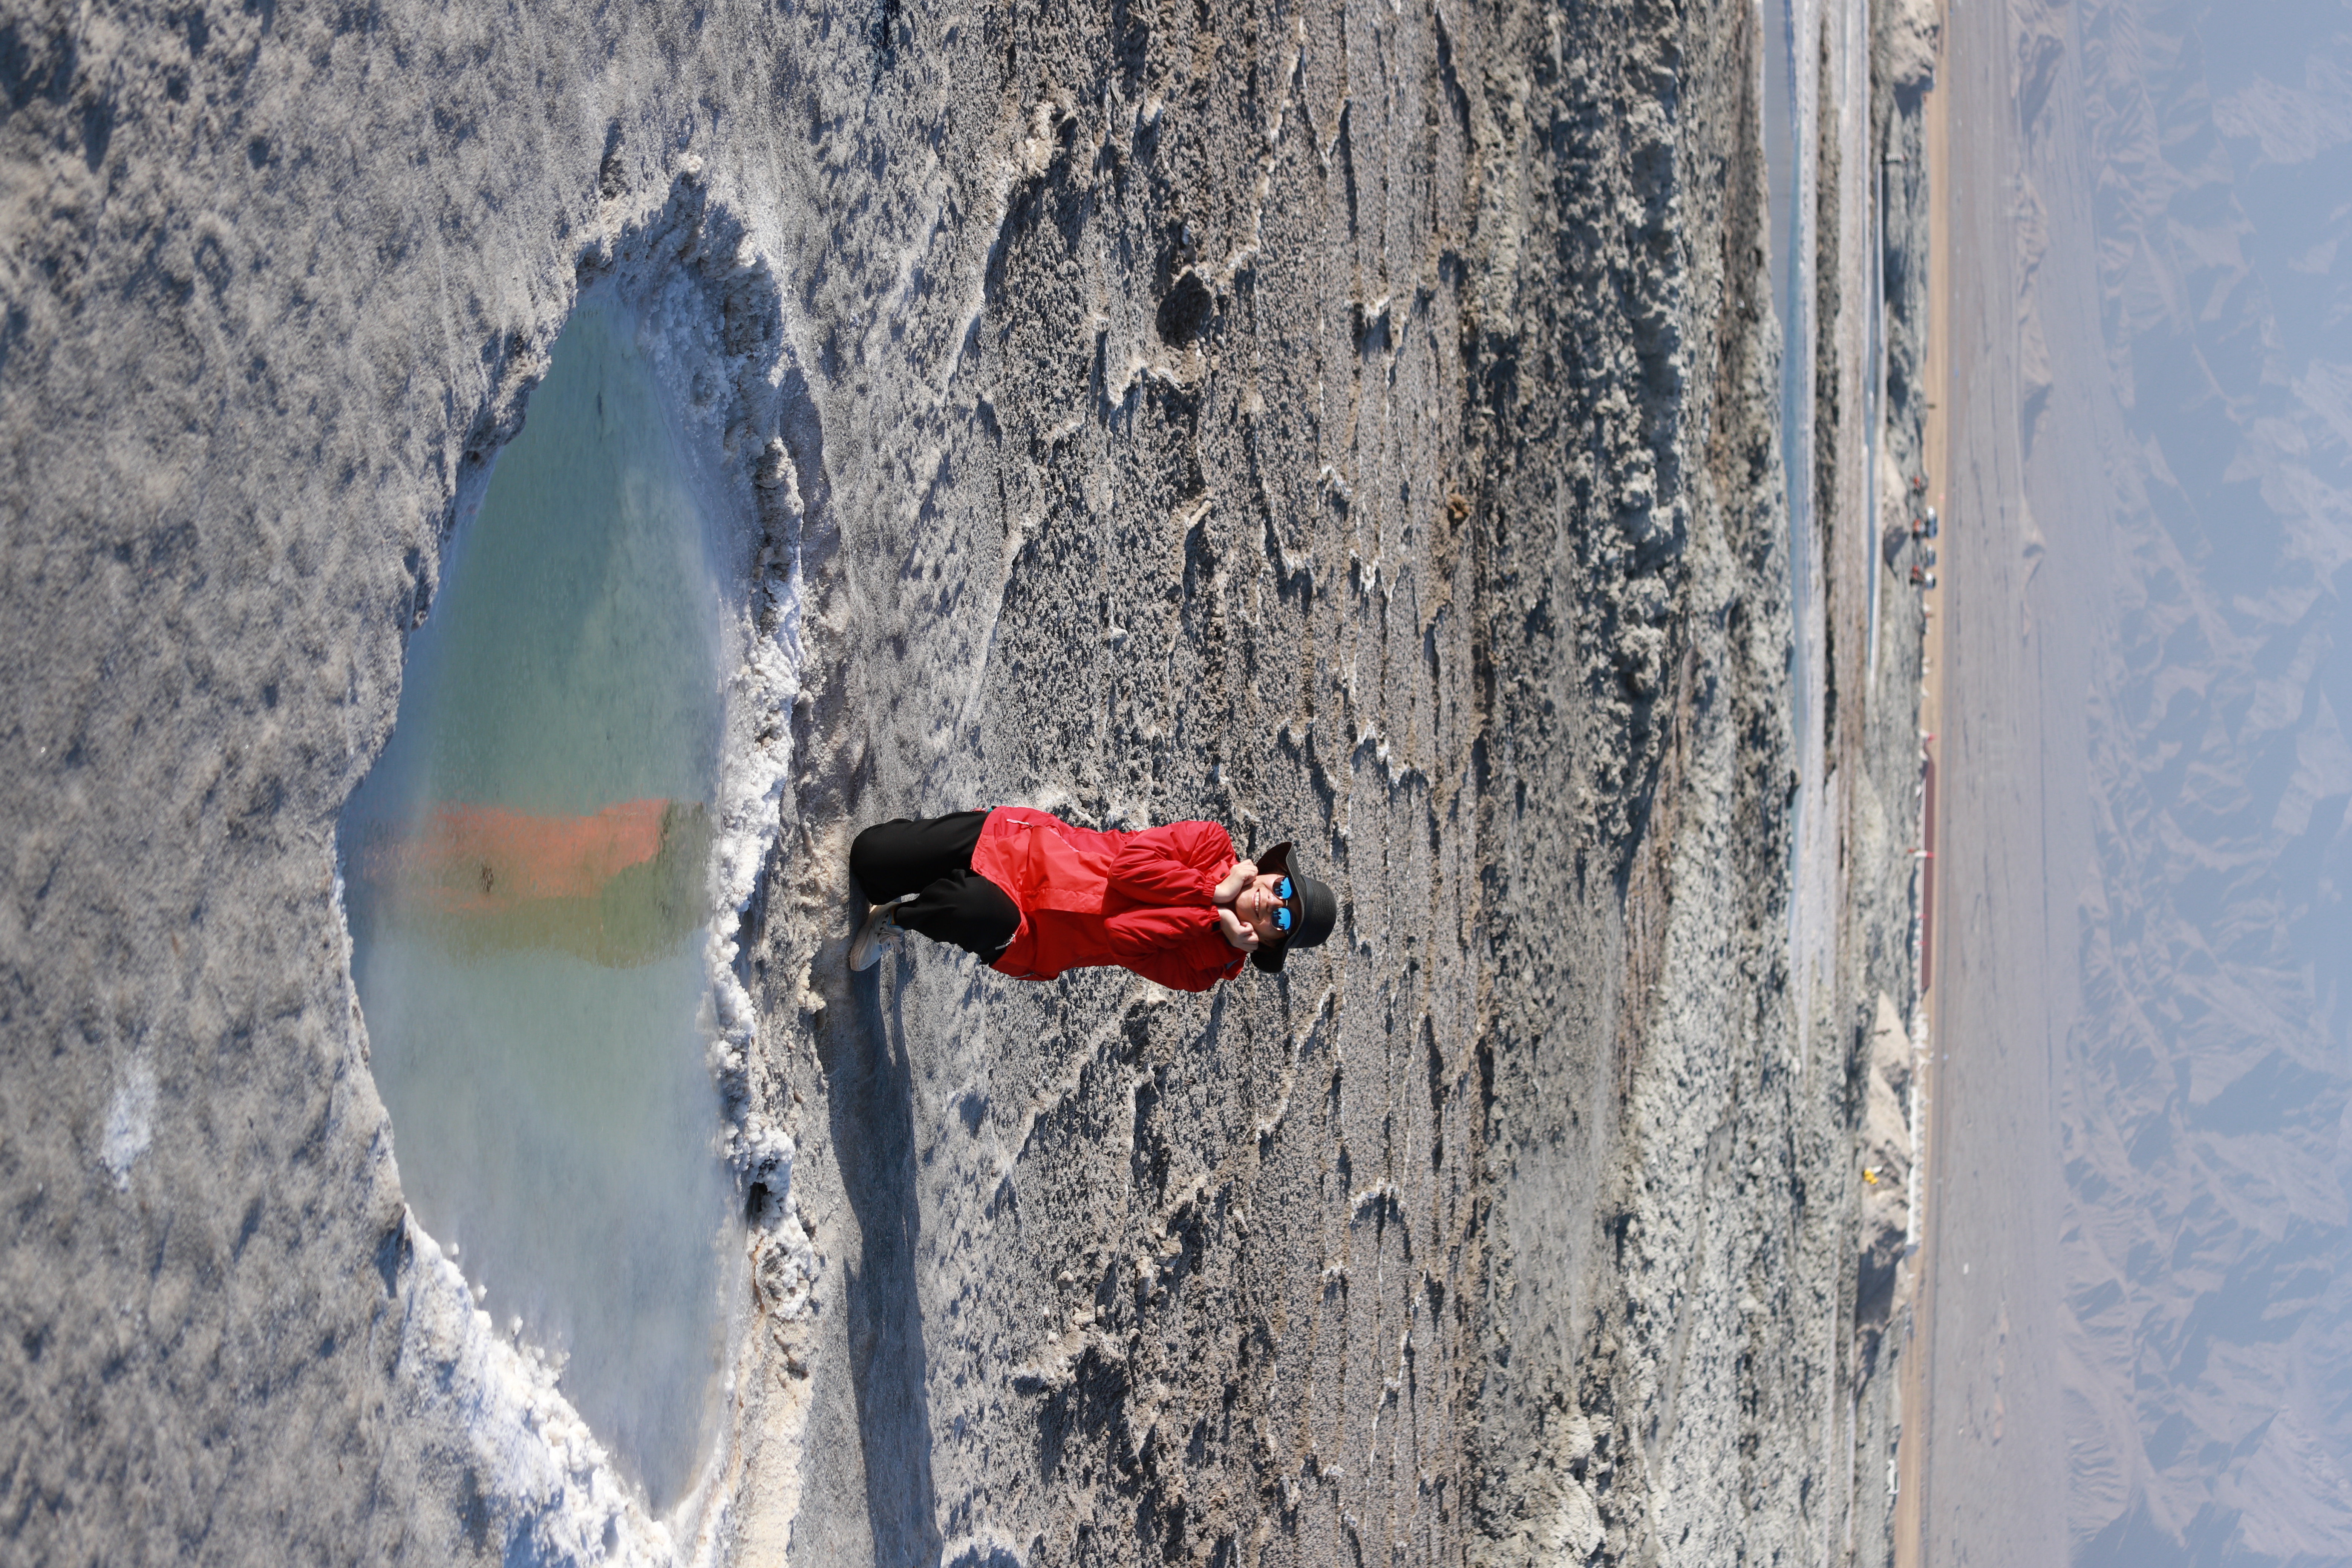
(1036, 897)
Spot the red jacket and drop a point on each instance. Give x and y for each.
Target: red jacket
(1142, 901)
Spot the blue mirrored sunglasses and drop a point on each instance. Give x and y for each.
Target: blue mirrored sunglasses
(1282, 914)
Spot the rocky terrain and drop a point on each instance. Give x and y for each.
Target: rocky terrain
(1354, 425)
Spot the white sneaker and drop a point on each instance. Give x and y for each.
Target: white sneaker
(878, 933)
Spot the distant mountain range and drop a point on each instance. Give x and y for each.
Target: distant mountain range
(2204, 1097)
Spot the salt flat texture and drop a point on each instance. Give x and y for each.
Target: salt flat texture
(1355, 424)
(1988, 1420)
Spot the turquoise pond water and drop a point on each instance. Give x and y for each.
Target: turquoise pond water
(527, 883)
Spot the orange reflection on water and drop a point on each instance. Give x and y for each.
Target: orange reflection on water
(620, 887)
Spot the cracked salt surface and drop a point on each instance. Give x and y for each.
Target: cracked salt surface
(529, 885)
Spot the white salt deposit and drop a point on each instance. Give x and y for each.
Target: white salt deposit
(130, 1122)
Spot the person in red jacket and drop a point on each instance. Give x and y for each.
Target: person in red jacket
(1035, 897)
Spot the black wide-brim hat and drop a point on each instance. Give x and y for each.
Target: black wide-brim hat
(1314, 909)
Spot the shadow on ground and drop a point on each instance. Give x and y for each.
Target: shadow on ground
(872, 1124)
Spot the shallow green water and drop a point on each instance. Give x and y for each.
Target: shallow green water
(526, 875)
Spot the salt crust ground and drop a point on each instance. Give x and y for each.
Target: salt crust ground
(1351, 424)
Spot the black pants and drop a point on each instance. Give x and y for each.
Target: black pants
(931, 857)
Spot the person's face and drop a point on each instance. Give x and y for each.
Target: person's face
(1256, 904)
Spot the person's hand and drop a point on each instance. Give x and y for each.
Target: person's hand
(1236, 880)
(1235, 933)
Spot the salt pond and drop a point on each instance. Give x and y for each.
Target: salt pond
(527, 879)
